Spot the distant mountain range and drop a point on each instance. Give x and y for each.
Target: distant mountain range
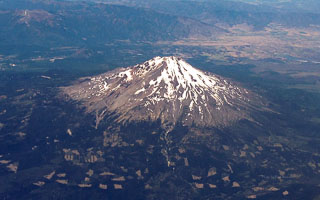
(256, 13)
(302, 5)
(61, 23)
(70, 23)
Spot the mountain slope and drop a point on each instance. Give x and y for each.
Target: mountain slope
(166, 89)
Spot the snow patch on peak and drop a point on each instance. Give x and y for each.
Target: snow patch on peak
(183, 81)
(185, 74)
(126, 74)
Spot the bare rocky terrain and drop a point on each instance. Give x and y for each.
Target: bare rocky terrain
(166, 89)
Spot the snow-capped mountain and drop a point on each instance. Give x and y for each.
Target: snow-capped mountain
(167, 89)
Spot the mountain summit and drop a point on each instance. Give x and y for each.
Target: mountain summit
(167, 89)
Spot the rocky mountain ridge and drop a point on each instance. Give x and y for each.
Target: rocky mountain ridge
(166, 89)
